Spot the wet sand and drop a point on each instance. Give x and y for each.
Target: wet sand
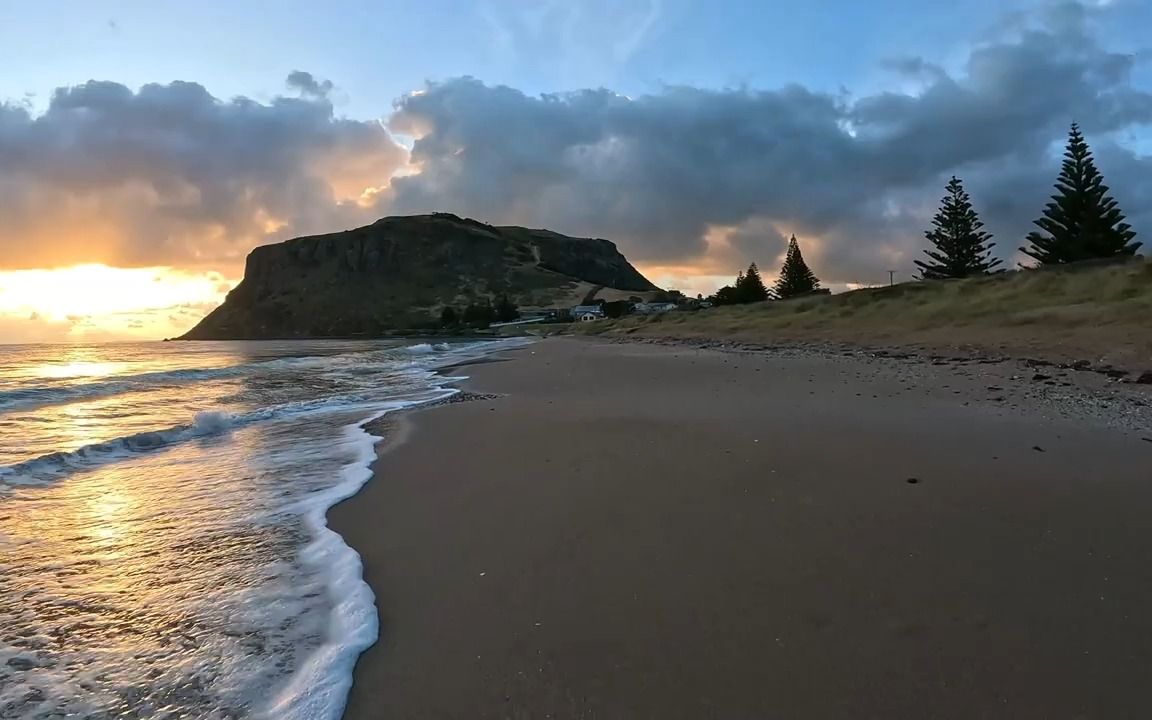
(635, 531)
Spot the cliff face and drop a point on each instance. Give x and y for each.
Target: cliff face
(399, 272)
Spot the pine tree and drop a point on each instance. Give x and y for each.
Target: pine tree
(506, 310)
(1082, 222)
(448, 317)
(796, 278)
(962, 248)
(726, 295)
(750, 286)
(479, 314)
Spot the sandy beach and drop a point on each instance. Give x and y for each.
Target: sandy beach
(638, 531)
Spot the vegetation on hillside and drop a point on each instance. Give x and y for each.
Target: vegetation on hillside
(748, 288)
(401, 272)
(1096, 311)
(796, 279)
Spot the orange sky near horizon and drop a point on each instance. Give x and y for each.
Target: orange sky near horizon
(95, 302)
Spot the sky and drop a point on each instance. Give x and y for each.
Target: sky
(146, 147)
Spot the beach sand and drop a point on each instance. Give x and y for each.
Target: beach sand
(637, 531)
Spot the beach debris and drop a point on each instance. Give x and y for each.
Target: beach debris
(912, 480)
(1037, 448)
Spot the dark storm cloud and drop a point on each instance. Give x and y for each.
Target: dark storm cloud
(859, 175)
(169, 174)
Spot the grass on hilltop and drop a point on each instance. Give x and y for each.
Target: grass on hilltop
(1099, 313)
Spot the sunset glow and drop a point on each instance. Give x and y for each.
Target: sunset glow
(97, 301)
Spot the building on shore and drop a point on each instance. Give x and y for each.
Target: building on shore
(587, 313)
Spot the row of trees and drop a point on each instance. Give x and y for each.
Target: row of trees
(480, 314)
(796, 279)
(1082, 222)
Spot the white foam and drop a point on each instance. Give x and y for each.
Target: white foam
(319, 688)
(211, 422)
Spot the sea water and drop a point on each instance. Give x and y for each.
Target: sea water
(163, 548)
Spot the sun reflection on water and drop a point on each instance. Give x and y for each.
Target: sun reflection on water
(135, 570)
(77, 369)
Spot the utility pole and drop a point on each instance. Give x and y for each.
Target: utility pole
(891, 277)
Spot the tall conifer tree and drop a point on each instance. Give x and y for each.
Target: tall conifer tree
(750, 286)
(796, 278)
(1082, 222)
(961, 247)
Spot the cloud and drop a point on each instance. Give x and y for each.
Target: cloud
(859, 176)
(308, 85)
(681, 177)
(170, 175)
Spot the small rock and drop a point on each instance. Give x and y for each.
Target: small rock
(913, 481)
(1040, 376)
(1037, 448)
(21, 663)
(1145, 378)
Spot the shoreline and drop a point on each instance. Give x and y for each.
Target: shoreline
(494, 547)
(912, 352)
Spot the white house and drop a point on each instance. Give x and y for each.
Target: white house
(587, 313)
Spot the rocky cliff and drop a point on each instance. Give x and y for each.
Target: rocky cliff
(399, 272)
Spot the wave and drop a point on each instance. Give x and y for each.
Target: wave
(53, 466)
(56, 465)
(33, 396)
(319, 688)
(427, 348)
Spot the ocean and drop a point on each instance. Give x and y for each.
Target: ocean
(163, 547)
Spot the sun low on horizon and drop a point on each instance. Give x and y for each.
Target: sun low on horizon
(97, 302)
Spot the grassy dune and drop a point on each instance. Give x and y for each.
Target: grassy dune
(1102, 314)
